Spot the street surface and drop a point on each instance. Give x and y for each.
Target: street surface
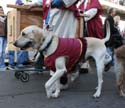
(15, 94)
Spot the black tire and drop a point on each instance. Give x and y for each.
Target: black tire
(24, 77)
(18, 74)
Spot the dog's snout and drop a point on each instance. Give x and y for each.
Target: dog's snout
(15, 43)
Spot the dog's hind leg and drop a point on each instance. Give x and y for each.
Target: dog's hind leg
(100, 68)
(120, 82)
(60, 70)
(119, 70)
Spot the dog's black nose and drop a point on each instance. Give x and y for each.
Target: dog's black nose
(15, 43)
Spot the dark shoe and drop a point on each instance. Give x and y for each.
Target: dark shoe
(107, 67)
(83, 70)
(10, 67)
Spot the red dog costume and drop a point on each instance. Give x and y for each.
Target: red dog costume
(73, 49)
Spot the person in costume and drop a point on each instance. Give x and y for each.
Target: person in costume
(93, 23)
(62, 20)
(59, 17)
(93, 26)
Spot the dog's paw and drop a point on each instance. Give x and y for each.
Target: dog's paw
(96, 95)
(48, 94)
(56, 94)
(107, 67)
(74, 76)
(52, 95)
(96, 88)
(64, 87)
(122, 94)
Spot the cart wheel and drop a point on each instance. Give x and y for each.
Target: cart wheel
(24, 77)
(18, 74)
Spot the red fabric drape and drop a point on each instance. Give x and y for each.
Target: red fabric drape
(45, 9)
(94, 26)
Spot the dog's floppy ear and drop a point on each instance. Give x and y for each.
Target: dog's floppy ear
(37, 31)
(47, 36)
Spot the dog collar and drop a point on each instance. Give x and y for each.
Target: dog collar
(47, 46)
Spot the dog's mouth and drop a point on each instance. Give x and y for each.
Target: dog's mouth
(27, 45)
(24, 46)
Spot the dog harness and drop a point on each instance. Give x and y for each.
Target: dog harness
(70, 48)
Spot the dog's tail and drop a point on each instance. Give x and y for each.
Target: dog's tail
(107, 32)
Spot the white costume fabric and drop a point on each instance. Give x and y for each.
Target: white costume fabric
(2, 19)
(62, 22)
(37, 2)
(90, 13)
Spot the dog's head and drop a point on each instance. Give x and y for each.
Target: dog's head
(31, 36)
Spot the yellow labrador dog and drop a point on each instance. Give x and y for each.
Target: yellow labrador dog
(37, 38)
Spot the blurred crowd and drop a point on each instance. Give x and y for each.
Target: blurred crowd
(61, 17)
(120, 2)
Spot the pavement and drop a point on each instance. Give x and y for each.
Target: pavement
(15, 94)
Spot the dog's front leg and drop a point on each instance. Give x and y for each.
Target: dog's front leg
(56, 92)
(54, 80)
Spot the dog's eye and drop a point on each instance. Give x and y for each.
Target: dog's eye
(23, 34)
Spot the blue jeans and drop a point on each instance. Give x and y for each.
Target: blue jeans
(3, 42)
(11, 57)
(110, 51)
(22, 56)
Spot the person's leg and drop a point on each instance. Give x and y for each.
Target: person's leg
(2, 54)
(26, 56)
(22, 56)
(11, 58)
(4, 47)
(111, 63)
(110, 51)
